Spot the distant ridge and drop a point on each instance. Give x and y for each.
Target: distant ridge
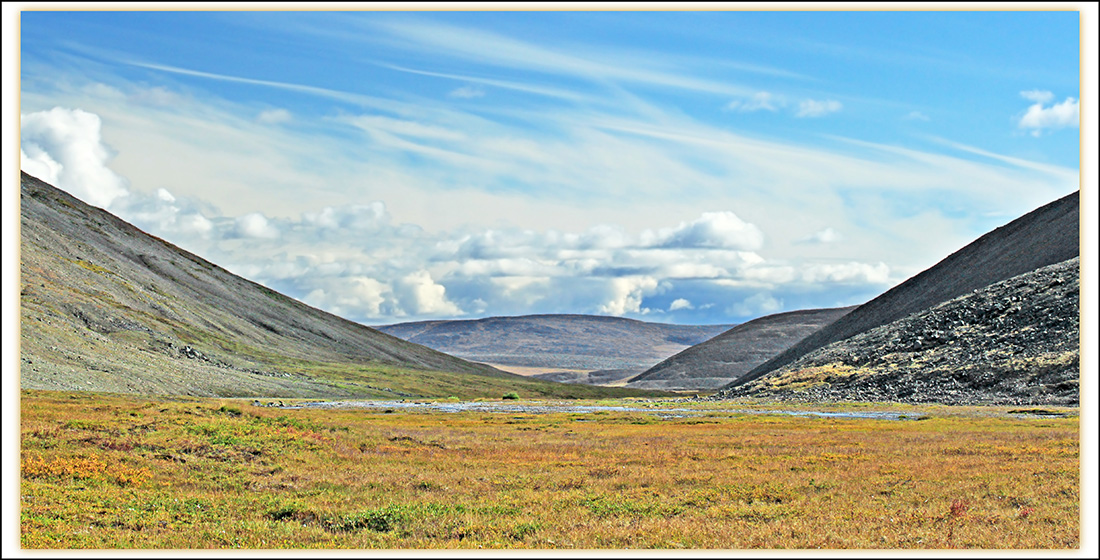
(552, 342)
(1045, 236)
(726, 357)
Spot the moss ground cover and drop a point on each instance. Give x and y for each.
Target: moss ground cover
(102, 471)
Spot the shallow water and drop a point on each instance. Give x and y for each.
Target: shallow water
(546, 408)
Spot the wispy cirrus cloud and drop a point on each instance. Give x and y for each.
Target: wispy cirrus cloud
(495, 49)
(467, 92)
(274, 116)
(760, 101)
(463, 168)
(814, 108)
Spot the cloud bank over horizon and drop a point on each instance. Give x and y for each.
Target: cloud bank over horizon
(356, 261)
(404, 166)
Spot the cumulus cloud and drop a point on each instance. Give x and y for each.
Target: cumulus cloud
(358, 261)
(1039, 117)
(813, 108)
(256, 225)
(627, 293)
(353, 296)
(761, 101)
(851, 272)
(163, 213)
(355, 217)
(419, 294)
(713, 229)
(40, 164)
(65, 146)
(758, 304)
(680, 303)
(827, 235)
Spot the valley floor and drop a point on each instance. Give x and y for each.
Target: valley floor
(101, 471)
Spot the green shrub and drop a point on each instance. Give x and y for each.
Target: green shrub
(511, 396)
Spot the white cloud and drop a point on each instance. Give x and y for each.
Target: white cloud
(847, 273)
(356, 217)
(1038, 96)
(680, 303)
(1059, 115)
(158, 96)
(196, 224)
(827, 235)
(813, 108)
(496, 49)
(916, 116)
(573, 177)
(256, 225)
(712, 229)
(376, 124)
(65, 145)
(756, 305)
(627, 293)
(760, 101)
(467, 92)
(419, 294)
(274, 116)
(353, 296)
(41, 165)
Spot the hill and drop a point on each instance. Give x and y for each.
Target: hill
(1045, 236)
(550, 344)
(107, 307)
(726, 357)
(1015, 342)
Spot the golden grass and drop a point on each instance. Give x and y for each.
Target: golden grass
(127, 472)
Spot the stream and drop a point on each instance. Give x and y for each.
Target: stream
(547, 408)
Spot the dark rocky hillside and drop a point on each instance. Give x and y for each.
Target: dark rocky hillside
(554, 342)
(1042, 237)
(105, 306)
(726, 357)
(1016, 342)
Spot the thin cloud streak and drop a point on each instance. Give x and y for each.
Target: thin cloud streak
(503, 84)
(490, 48)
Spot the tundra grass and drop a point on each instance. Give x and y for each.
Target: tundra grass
(103, 471)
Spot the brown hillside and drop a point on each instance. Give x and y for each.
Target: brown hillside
(726, 357)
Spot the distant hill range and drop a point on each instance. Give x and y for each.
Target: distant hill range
(564, 347)
(107, 307)
(725, 358)
(1044, 237)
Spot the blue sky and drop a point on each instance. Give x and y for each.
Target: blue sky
(686, 167)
